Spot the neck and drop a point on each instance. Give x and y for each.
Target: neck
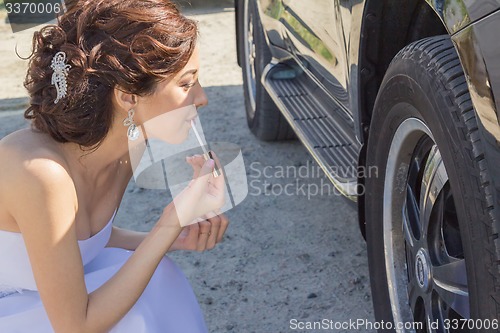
(110, 159)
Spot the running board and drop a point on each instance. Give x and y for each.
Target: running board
(319, 123)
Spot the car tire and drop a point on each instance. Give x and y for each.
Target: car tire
(263, 117)
(430, 242)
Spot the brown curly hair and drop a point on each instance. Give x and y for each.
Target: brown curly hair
(129, 44)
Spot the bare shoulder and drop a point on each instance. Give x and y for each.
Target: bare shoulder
(26, 152)
(33, 170)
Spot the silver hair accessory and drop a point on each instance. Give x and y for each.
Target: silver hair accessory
(60, 73)
(133, 130)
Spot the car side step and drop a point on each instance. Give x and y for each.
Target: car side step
(324, 129)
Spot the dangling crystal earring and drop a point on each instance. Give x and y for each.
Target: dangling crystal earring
(133, 130)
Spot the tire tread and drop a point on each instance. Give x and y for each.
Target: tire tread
(439, 48)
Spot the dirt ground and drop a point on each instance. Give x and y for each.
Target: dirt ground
(287, 257)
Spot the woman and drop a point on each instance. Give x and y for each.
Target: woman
(108, 67)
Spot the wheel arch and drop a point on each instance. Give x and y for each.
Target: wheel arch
(405, 22)
(238, 17)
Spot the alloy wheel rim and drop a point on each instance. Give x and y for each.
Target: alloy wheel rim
(426, 273)
(249, 54)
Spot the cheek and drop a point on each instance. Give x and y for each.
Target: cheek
(164, 102)
(170, 126)
(176, 98)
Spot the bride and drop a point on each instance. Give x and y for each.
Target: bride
(105, 69)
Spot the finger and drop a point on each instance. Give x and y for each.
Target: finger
(218, 165)
(218, 182)
(203, 235)
(205, 176)
(205, 227)
(198, 220)
(196, 162)
(224, 223)
(191, 238)
(194, 228)
(214, 232)
(185, 232)
(217, 188)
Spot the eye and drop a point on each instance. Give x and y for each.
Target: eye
(188, 86)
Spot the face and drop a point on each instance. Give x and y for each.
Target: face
(167, 114)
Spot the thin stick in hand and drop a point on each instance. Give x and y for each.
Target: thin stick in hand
(206, 154)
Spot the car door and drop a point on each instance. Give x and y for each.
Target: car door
(318, 34)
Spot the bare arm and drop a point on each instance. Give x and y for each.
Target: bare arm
(126, 239)
(189, 239)
(108, 304)
(48, 229)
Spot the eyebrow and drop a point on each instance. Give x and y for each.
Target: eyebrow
(191, 71)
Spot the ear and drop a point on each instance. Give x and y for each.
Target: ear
(123, 100)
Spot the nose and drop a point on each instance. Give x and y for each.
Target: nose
(201, 98)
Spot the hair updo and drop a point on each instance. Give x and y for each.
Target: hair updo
(108, 43)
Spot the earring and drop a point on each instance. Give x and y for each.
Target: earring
(133, 130)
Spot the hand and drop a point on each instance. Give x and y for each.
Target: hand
(202, 235)
(197, 161)
(204, 194)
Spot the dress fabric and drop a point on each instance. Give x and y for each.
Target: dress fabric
(168, 304)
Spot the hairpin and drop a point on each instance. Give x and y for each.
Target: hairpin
(60, 74)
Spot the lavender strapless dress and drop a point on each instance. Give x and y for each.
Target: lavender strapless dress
(168, 304)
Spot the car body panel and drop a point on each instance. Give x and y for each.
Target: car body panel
(311, 45)
(318, 41)
(457, 14)
(316, 31)
(479, 52)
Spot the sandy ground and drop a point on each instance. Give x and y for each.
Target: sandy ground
(285, 256)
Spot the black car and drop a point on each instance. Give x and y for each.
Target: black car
(410, 89)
